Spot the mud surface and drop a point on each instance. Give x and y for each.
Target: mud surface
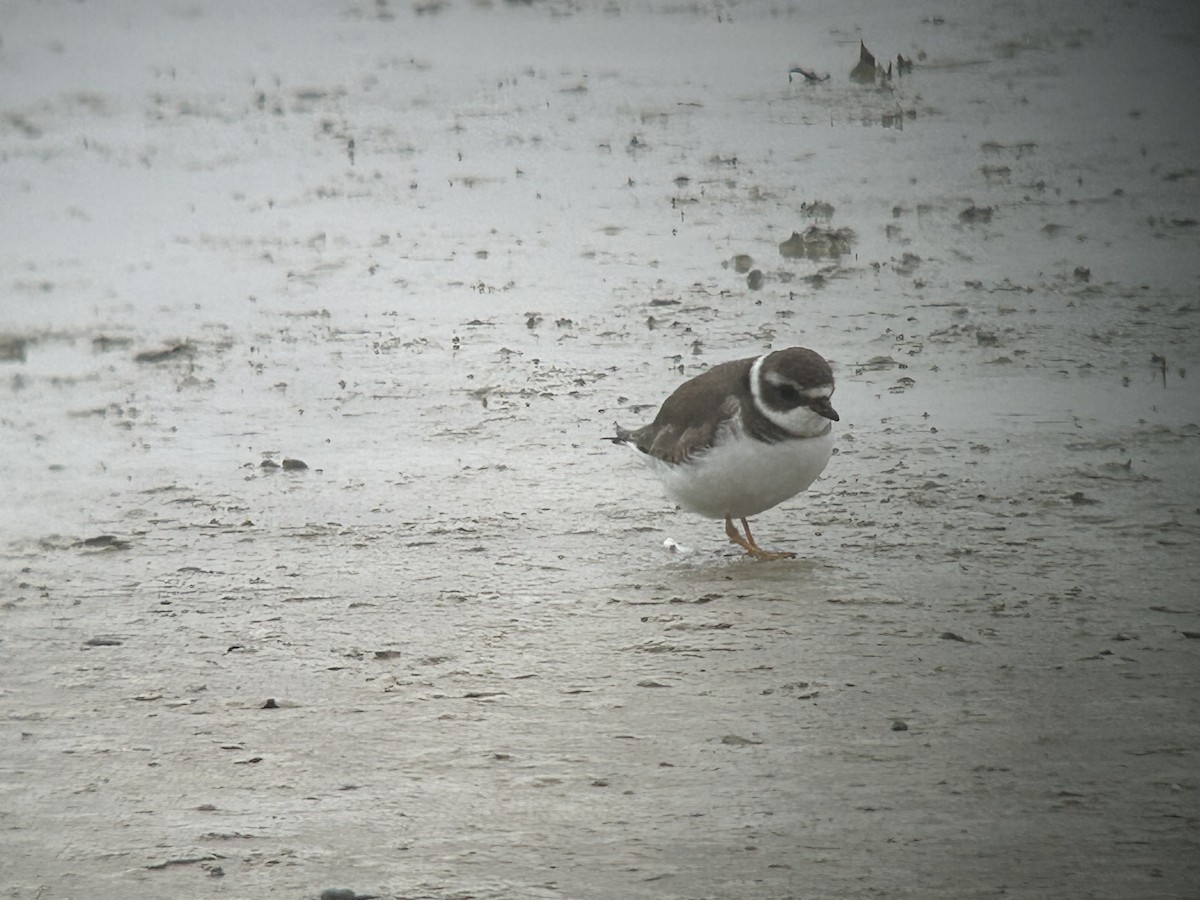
(429, 254)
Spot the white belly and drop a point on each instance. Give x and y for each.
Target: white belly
(743, 477)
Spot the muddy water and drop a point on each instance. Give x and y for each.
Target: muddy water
(455, 654)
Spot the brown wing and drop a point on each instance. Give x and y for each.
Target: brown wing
(689, 420)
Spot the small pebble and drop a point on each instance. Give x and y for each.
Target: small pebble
(295, 464)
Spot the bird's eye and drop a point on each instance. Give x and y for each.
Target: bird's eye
(789, 393)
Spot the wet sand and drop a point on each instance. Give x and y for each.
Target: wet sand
(433, 252)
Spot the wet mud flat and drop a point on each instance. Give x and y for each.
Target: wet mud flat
(317, 576)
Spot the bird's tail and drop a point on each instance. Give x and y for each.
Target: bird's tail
(623, 436)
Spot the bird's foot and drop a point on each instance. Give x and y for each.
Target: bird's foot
(750, 545)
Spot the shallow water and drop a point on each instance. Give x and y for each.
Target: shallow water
(489, 674)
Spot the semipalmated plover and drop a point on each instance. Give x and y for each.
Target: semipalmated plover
(742, 437)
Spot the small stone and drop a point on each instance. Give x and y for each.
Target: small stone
(294, 464)
(899, 725)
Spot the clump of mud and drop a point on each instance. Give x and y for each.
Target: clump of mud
(818, 243)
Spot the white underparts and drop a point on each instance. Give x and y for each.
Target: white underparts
(741, 476)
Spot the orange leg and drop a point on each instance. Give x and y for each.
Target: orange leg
(750, 545)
